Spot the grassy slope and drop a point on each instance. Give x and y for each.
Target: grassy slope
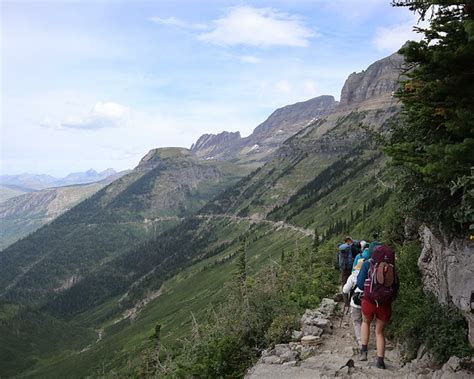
(191, 291)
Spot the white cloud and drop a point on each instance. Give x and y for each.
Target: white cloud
(392, 38)
(260, 27)
(103, 115)
(173, 21)
(283, 86)
(249, 59)
(109, 110)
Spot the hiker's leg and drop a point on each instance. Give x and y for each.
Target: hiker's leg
(380, 337)
(344, 275)
(368, 312)
(357, 322)
(365, 331)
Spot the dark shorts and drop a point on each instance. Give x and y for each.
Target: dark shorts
(381, 312)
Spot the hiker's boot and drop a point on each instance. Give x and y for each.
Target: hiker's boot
(363, 356)
(380, 363)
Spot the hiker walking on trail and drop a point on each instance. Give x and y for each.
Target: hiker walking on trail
(362, 256)
(378, 279)
(354, 295)
(345, 259)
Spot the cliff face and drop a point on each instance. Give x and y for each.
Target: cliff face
(447, 267)
(287, 121)
(222, 145)
(375, 84)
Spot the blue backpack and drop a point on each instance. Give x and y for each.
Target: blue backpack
(344, 257)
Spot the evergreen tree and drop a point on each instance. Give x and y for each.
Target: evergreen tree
(433, 145)
(241, 271)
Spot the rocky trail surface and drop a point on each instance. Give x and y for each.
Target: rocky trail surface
(325, 350)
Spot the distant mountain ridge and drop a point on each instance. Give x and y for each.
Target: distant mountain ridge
(370, 88)
(33, 182)
(267, 137)
(24, 213)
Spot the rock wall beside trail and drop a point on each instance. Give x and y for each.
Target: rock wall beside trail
(447, 268)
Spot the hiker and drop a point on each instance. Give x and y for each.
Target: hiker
(344, 259)
(364, 255)
(356, 248)
(379, 282)
(353, 293)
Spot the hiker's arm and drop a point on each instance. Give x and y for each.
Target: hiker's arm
(363, 274)
(348, 286)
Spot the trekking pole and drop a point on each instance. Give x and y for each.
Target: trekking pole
(343, 313)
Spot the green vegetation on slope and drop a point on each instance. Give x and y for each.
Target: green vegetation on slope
(188, 293)
(115, 220)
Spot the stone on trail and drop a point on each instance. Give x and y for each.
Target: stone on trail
(327, 307)
(310, 340)
(296, 335)
(281, 349)
(453, 364)
(272, 360)
(312, 330)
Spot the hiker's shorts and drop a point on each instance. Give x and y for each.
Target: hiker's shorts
(381, 312)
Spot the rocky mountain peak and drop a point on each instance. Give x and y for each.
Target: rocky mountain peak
(156, 156)
(107, 172)
(289, 119)
(376, 83)
(209, 146)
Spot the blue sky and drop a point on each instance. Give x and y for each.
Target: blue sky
(97, 84)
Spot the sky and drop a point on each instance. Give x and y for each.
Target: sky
(97, 84)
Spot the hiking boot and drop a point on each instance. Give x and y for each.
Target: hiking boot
(380, 364)
(363, 356)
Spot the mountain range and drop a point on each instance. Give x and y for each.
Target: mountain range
(82, 294)
(34, 182)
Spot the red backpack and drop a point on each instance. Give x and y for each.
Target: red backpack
(379, 287)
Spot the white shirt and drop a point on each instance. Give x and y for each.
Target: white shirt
(350, 284)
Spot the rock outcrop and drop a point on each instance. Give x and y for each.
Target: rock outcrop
(305, 342)
(373, 85)
(212, 146)
(447, 268)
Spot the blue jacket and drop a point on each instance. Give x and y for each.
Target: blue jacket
(364, 255)
(363, 274)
